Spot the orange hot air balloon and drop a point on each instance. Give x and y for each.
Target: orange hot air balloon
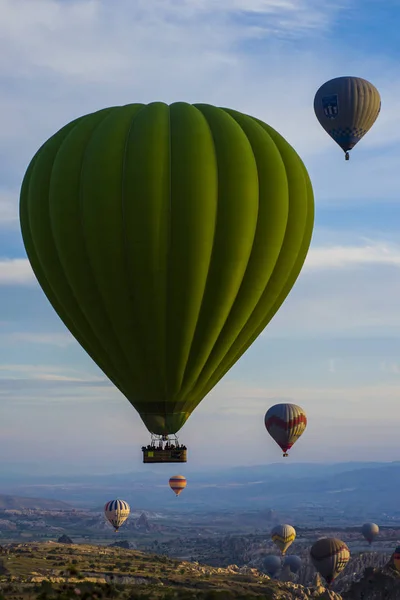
(177, 483)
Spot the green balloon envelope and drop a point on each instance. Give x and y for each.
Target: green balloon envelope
(166, 238)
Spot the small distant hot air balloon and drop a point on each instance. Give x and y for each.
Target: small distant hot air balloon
(370, 531)
(285, 423)
(117, 512)
(396, 558)
(272, 564)
(283, 536)
(347, 107)
(329, 556)
(293, 562)
(177, 483)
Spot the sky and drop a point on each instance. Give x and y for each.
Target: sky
(334, 346)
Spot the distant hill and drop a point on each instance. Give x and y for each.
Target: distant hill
(23, 503)
(64, 539)
(256, 487)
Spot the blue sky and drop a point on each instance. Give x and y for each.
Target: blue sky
(334, 346)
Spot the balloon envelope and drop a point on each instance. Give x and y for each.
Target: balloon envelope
(293, 562)
(177, 483)
(117, 512)
(272, 564)
(285, 423)
(347, 107)
(370, 531)
(396, 558)
(283, 536)
(166, 238)
(329, 556)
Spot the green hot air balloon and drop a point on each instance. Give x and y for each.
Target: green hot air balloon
(347, 107)
(166, 238)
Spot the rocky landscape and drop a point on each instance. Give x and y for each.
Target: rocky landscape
(64, 570)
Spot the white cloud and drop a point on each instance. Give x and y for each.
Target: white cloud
(333, 257)
(343, 291)
(53, 339)
(56, 378)
(35, 24)
(8, 208)
(48, 373)
(28, 369)
(16, 271)
(70, 58)
(236, 397)
(390, 367)
(332, 365)
(343, 303)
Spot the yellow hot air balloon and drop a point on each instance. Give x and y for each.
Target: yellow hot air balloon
(283, 536)
(177, 483)
(329, 556)
(117, 512)
(347, 107)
